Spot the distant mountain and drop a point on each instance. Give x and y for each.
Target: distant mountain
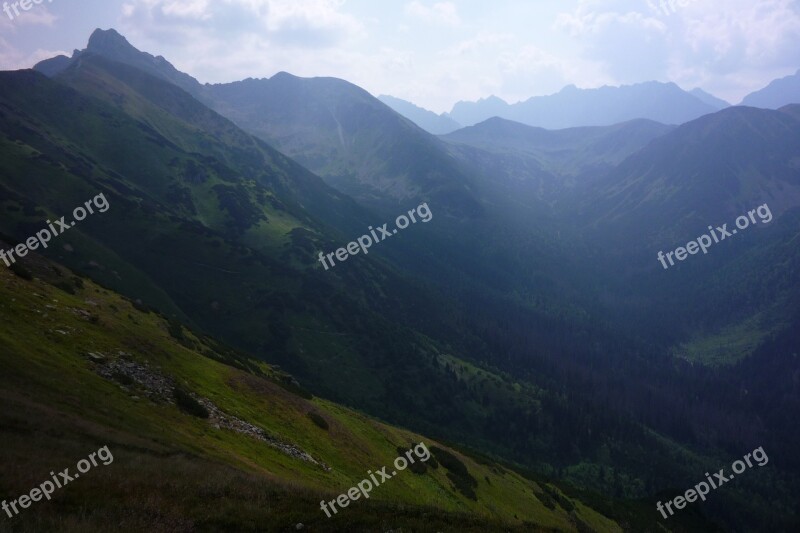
(572, 107)
(777, 94)
(569, 151)
(471, 113)
(534, 166)
(427, 120)
(710, 99)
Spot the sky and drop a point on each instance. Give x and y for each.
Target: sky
(435, 53)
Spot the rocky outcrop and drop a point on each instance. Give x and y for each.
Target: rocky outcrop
(159, 388)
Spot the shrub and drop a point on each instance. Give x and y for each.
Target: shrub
(65, 286)
(175, 330)
(21, 271)
(189, 405)
(139, 306)
(418, 467)
(318, 420)
(562, 500)
(457, 473)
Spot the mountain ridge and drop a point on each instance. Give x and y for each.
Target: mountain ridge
(778, 93)
(573, 107)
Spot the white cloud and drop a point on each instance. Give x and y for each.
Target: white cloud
(440, 12)
(310, 23)
(37, 16)
(12, 58)
(726, 47)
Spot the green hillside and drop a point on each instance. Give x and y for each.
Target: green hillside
(84, 367)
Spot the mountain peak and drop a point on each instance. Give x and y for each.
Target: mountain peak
(110, 44)
(492, 99)
(108, 41)
(283, 75)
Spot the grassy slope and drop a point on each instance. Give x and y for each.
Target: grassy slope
(173, 471)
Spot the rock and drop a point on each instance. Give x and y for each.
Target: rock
(96, 357)
(298, 527)
(159, 388)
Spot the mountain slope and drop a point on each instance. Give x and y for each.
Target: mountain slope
(777, 94)
(708, 98)
(427, 120)
(707, 172)
(342, 133)
(102, 373)
(573, 107)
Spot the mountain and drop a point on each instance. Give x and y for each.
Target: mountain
(777, 94)
(427, 120)
(535, 166)
(111, 45)
(567, 152)
(710, 99)
(531, 327)
(706, 172)
(572, 107)
(216, 229)
(339, 131)
(209, 225)
(319, 122)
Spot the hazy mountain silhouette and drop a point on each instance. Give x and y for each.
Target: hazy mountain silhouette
(710, 99)
(777, 94)
(572, 107)
(427, 120)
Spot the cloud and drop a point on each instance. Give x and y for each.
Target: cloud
(307, 24)
(479, 42)
(729, 47)
(444, 13)
(37, 16)
(12, 58)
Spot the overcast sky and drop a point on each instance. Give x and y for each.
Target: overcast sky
(435, 53)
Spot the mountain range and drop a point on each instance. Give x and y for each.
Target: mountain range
(573, 107)
(528, 329)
